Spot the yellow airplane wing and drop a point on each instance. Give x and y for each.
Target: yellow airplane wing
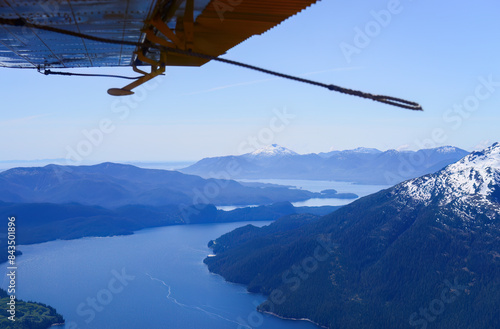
(203, 26)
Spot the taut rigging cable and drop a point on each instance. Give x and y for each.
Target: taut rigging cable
(49, 72)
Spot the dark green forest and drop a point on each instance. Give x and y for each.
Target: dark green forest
(29, 315)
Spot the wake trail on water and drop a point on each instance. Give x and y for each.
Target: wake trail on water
(169, 297)
(201, 251)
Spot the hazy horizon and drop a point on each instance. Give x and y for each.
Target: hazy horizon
(191, 161)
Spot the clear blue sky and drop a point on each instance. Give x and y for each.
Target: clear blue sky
(433, 52)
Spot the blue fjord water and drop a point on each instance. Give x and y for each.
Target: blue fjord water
(317, 186)
(153, 279)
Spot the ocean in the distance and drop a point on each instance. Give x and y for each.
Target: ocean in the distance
(154, 279)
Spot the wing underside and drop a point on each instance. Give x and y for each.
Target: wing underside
(205, 26)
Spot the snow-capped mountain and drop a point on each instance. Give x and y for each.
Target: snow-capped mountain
(447, 149)
(471, 183)
(366, 150)
(362, 150)
(358, 150)
(272, 151)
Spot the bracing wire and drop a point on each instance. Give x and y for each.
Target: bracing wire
(49, 72)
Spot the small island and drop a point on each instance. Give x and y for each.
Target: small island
(333, 194)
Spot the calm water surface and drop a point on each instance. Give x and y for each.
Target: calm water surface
(153, 279)
(318, 186)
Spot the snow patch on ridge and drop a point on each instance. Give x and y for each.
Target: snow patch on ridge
(273, 150)
(468, 182)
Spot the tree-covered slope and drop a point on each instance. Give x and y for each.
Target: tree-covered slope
(28, 315)
(41, 222)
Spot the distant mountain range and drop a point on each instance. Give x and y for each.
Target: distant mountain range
(113, 185)
(361, 165)
(424, 253)
(69, 202)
